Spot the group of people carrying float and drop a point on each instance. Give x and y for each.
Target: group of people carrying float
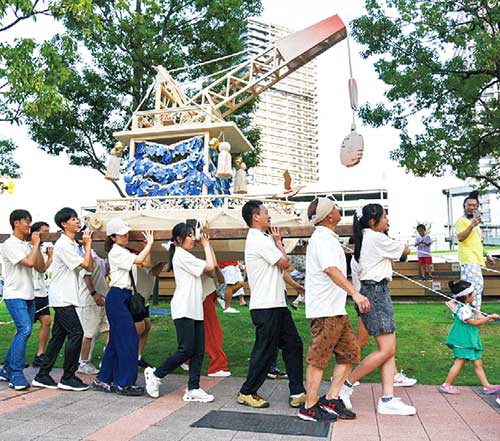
(195, 319)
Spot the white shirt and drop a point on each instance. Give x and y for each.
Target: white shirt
(377, 253)
(187, 301)
(121, 261)
(97, 279)
(40, 282)
(207, 285)
(323, 297)
(267, 287)
(64, 287)
(18, 280)
(355, 274)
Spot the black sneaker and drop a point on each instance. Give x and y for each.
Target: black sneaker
(72, 383)
(143, 364)
(37, 361)
(316, 414)
(275, 373)
(130, 391)
(336, 407)
(101, 386)
(44, 380)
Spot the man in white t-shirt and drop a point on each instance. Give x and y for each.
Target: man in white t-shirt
(326, 294)
(18, 259)
(266, 259)
(64, 298)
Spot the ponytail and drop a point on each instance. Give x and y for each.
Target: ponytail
(179, 234)
(362, 221)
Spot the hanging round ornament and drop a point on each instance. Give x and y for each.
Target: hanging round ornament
(351, 150)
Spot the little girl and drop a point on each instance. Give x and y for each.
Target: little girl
(187, 313)
(464, 339)
(374, 251)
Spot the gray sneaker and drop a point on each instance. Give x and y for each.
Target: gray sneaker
(88, 368)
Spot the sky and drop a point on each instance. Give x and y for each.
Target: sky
(49, 183)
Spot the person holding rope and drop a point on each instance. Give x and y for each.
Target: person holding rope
(18, 259)
(187, 313)
(326, 294)
(375, 251)
(470, 247)
(464, 338)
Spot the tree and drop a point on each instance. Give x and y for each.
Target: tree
(113, 69)
(441, 63)
(29, 71)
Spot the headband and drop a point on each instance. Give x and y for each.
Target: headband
(324, 208)
(465, 292)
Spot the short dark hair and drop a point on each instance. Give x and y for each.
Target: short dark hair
(18, 215)
(472, 195)
(249, 209)
(38, 225)
(64, 215)
(421, 226)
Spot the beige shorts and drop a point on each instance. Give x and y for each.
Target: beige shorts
(93, 319)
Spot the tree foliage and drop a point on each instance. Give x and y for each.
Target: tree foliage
(441, 63)
(107, 62)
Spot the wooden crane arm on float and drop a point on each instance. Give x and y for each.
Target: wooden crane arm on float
(254, 76)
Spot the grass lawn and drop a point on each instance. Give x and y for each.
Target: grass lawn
(421, 352)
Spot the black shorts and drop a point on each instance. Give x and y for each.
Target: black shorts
(42, 306)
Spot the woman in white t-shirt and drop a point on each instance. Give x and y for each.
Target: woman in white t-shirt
(119, 362)
(374, 252)
(187, 313)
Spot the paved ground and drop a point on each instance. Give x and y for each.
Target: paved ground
(53, 415)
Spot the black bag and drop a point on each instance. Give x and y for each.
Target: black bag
(137, 304)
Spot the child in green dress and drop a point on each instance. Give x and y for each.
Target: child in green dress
(464, 339)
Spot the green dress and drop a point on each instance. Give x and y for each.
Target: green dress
(463, 337)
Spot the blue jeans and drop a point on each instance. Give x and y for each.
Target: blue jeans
(23, 313)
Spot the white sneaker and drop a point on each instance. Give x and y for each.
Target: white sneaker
(198, 395)
(231, 311)
(356, 384)
(87, 368)
(220, 374)
(395, 407)
(345, 396)
(152, 382)
(401, 380)
(221, 303)
(498, 400)
(184, 366)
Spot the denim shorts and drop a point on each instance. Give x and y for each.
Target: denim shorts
(380, 319)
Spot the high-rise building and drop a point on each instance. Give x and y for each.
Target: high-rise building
(286, 114)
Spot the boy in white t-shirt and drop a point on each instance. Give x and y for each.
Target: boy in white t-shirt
(266, 259)
(64, 298)
(18, 259)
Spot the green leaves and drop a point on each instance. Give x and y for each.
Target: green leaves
(442, 63)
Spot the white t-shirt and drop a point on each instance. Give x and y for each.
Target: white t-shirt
(323, 297)
(377, 253)
(18, 280)
(121, 261)
(265, 278)
(97, 279)
(465, 313)
(64, 289)
(207, 285)
(355, 274)
(187, 300)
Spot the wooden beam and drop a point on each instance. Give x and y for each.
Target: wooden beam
(292, 232)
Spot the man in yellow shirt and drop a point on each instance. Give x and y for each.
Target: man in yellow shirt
(470, 246)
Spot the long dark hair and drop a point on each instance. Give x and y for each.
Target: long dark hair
(456, 287)
(370, 211)
(179, 234)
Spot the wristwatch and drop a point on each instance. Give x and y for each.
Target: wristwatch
(93, 293)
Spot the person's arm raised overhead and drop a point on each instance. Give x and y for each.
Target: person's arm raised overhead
(143, 255)
(209, 256)
(283, 263)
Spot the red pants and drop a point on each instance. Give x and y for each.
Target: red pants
(213, 336)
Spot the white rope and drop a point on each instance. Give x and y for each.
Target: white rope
(423, 286)
(351, 77)
(192, 66)
(485, 268)
(206, 77)
(36, 312)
